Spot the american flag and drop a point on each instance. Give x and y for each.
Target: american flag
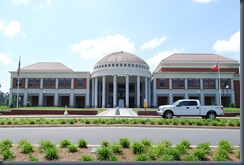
(18, 68)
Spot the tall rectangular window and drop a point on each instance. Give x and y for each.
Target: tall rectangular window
(212, 83)
(205, 83)
(61, 83)
(67, 83)
(162, 83)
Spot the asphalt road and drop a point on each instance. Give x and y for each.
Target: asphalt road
(95, 135)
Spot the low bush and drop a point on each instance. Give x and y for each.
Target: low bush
(72, 148)
(25, 146)
(86, 158)
(141, 157)
(51, 153)
(32, 158)
(46, 144)
(64, 143)
(138, 148)
(82, 143)
(104, 153)
(7, 154)
(124, 142)
(104, 143)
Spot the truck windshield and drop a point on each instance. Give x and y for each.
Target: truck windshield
(175, 103)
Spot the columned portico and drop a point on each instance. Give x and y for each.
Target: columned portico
(124, 81)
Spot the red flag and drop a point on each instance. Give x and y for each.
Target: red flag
(216, 66)
(18, 68)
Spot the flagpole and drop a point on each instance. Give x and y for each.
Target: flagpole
(18, 85)
(219, 83)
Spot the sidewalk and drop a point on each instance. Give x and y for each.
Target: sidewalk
(122, 112)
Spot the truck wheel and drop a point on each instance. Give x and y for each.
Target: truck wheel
(168, 115)
(211, 115)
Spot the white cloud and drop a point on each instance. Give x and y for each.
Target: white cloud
(5, 59)
(202, 1)
(231, 45)
(49, 2)
(99, 47)
(20, 2)
(39, 7)
(12, 29)
(1, 25)
(154, 61)
(153, 43)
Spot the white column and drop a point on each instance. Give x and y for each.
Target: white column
(149, 92)
(186, 86)
(217, 91)
(41, 83)
(26, 91)
(138, 92)
(96, 91)
(104, 92)
(127, 91)
(26, 83)
(72, 83)
(170, 83)
(56, 93)
(71, 98)
(115, 91)
(154, 93)
(87, 92)
(93, 93)
(146, 90)
(40, 100)
(56, 98)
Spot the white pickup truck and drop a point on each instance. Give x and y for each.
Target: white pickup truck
(189, 107)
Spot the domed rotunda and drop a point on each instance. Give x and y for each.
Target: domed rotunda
(120, 79)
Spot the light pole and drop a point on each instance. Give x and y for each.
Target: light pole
(227, 87)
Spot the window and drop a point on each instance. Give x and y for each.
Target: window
(205, 83)
(61, 82)
(223, 83)
(52, 82)
(194, 83)
(67, 83)
(20, 82)
(192, 103)
(33, 83)
(178, 83)
(212, 83)
(45, 83)
(162, 83)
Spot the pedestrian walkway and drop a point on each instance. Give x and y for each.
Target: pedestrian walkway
(122, 112)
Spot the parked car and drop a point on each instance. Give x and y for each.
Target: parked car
(189, 107)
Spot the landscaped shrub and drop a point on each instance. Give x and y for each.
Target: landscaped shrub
(232, 105)
(226, 145)
(104, 143)
(175, 121)
(86, 158)
(221, 155)
(200, 153)
(166, 157)
(7, 154)
(183, 122)
(124, 142)
(116, 148)
(237, 123)
(190, 157)
(138, 147)
(231, 123)
(238, 153)
(32, 158)
(25, 146)
(141, 157)
(46, 144)
(160, 122)
(146, 142)
(183, 146)
(204, 146)
(28, 104)
(5, 144)
(82, 143)
(104, 153)
(64, 143)
(72, 148)
(199, 122)
(51, 153)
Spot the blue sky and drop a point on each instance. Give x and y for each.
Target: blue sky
(79, 33)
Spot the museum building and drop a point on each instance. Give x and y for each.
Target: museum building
(123, 79)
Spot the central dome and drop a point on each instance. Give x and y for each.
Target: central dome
(121, 57)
